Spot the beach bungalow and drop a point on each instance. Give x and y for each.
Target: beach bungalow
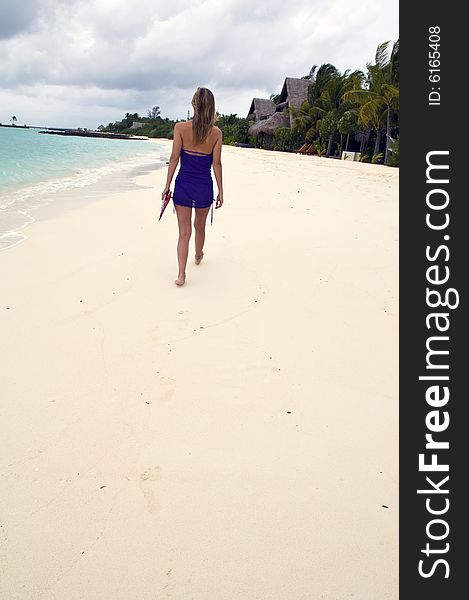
(264, 130)
(261, 108)
(294, 93)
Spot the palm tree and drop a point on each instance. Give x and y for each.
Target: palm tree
(320, 78)
(381, 98)
(347, 125)
(330, 107)
(307, 120)
(154, 112)
(13, 120)
(321, 113)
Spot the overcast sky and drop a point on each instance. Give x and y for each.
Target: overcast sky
(82, 63)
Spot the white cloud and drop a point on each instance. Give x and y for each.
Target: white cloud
(84, 62)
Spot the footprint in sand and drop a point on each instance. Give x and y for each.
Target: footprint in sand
(147, 483)
(168, 387)
(183, 318)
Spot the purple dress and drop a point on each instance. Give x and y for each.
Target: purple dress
(193, 186)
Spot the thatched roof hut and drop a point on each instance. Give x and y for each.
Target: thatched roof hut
(268, 126)
(261, 108)
(268, 116)
(294, 92)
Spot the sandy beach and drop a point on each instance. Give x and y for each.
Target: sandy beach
(233, 439)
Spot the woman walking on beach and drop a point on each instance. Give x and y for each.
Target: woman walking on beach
(198, 144)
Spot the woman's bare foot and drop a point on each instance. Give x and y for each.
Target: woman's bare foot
(198, 258)
(181, 280)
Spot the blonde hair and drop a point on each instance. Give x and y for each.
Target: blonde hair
(203, 103)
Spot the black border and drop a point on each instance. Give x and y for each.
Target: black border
(425, 128)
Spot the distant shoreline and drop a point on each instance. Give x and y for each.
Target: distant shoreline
(15, 126)
(79, 132)
(93, 134)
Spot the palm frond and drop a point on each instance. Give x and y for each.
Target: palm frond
(390, 92)
(381, 56)
(372, 112)
(312, 72)
(359, 96)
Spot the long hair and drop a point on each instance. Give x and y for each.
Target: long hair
(204, 114)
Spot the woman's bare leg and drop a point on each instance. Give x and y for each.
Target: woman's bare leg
(184, 223)
(199, 226)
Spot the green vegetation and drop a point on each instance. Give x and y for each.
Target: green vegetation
(352, 106)
(347, 125)
(394, 149)
(320, 147)
(234, 128)
(286, 139)
(377, 102)
(153, 125)
(356, 105)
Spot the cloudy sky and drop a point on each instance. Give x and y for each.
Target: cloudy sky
(82, 63)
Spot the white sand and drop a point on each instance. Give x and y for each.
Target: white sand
(176, 399)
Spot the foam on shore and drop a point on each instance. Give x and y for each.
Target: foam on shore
(21, 207)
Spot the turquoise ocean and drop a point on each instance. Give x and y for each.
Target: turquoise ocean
(38, 170)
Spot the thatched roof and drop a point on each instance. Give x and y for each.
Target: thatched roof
(261, 107)
(295, 92)
(268, 116)
(281, 106)
(268, 126)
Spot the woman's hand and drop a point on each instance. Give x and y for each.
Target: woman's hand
(219, 201)
(165, 191)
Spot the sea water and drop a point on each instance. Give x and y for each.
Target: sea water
(39, 169)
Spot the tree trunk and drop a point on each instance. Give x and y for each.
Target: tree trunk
(378, 136)
(368, 135)
(329, 145)
(346, 143)
(388, 136)
(340, 147)
(366, 139)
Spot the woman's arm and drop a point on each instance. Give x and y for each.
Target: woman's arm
(217, 169)
(174, 158)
